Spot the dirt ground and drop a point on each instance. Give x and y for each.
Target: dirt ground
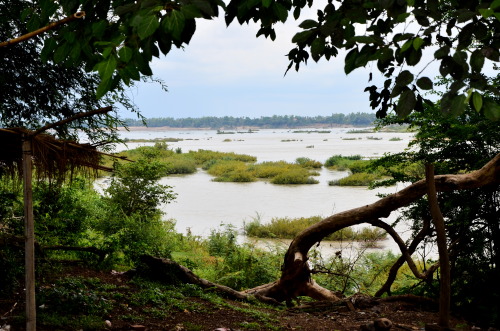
(404, 313)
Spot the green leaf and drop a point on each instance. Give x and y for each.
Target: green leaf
(406, 103)
(146, 26)
(62, 52)
(425, 83)
(74, 54)
(317, 48)
(280, 11)
(476, 61)
(458, 105)
(104, 86)
(107, 67)
(267, 3)
(125, 53)
(48, 47)
(417, 43)
(98, 28)
(308, 24)
(302, 37)
(406, 46)
(442, 52)
(363, 39)
(131, 72)
(477, 101)
(486, 12)
(404, 78)
(191, 11)
(175, 23)
(491, 110)
(350, 61)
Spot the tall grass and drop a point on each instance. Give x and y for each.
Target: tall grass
(279, 172)
(289, 228)
(357, 179)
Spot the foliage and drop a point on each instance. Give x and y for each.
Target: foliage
(35, 91)
(133, 190)
(456, 145)
(361, 272)
(306, 162)
(460, 36)
(355, 179)
(287, 228)
(240, 266)
(339, 162)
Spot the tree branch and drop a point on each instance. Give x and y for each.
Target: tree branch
(51, 26)
(71, 119)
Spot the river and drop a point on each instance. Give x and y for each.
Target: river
(203, 205)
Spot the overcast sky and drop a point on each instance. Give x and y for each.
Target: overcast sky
(230, 72)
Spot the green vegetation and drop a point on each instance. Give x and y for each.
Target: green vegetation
(276, 172)
(288, 228)
(176, 162)
(457, 145)
(363, 172)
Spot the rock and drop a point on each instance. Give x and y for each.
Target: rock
(108, 323)
(379, 324)
(382, 324)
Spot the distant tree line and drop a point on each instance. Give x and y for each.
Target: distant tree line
(275, 121)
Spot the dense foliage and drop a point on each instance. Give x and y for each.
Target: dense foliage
(455, 145)
(36, 91)
(118, 40)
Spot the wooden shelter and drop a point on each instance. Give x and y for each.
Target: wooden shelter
(20, 150)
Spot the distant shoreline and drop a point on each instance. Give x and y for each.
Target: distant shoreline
(169, 128)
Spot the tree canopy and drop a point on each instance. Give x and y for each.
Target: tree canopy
(118, 39)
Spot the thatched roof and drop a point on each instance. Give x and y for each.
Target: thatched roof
(52, 158)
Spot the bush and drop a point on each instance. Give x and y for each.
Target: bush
(357, 179)
(179, 164)
(237, 266)
(306, 162)
(294, 176)
(339, 160)
(286, 228)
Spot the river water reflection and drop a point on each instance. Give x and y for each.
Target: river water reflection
(203, 205)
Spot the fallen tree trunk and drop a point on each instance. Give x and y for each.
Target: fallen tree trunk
(296, 274)
(171, 272)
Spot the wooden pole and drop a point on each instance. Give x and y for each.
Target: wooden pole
(29, 231)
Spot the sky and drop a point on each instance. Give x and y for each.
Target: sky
(227, 71)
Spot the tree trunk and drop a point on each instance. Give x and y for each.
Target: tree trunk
(444, 259)
(296, 275)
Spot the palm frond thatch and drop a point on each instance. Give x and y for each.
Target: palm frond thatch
(52, 158)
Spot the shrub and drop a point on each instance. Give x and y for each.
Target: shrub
(240, 266)
(179, 164)
(357, 179)
(294, 176)
(306, 162)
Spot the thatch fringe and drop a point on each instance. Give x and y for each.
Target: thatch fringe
(52, 158)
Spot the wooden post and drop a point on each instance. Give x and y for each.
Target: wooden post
(29, 232)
